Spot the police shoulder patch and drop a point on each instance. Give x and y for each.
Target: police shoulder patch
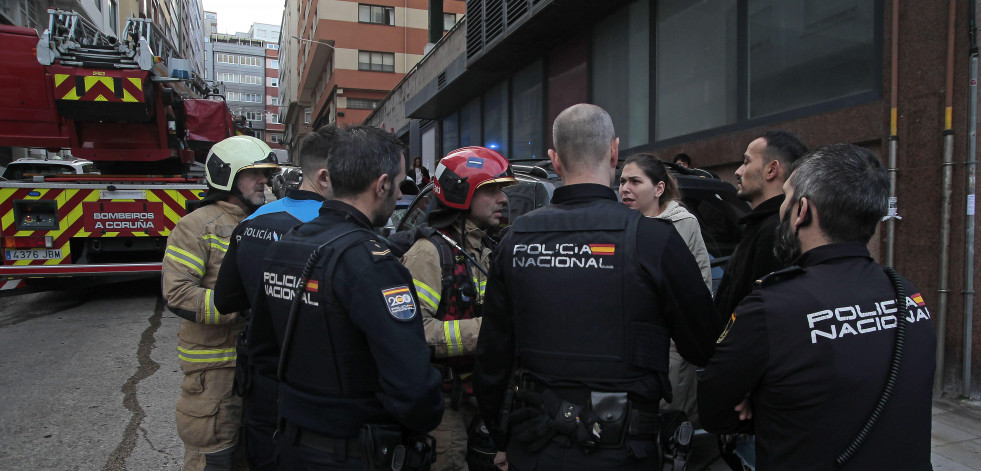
(378, 250)
(400, 302)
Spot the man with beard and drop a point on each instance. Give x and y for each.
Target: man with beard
(345, 313)
(759, 181)
(208, 414)
(449, 272)
(811, 352)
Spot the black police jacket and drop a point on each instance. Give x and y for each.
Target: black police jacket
(357, 354)
(581, 304)
(811, 347)
(241, 269)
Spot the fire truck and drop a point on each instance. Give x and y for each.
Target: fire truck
(129, 104)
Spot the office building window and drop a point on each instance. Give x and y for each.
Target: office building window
(470, 124)
(716, 68)
(449, 20)
(276, 138)
(272, 64)
(526, 113)
(272, 46)
(496, 118)
(621, 71)
(696, 66)
(361, 104)
(376, 61)
(273, 100)
(803, 52)
(307, 116)
(376, 14)
(254, 115)
(450, 133)
(272, 118)
(272, 82)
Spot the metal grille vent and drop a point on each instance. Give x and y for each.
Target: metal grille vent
(441, 80)
(516, 8)
(493, 20)
(475, 27)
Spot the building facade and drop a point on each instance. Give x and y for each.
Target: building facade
(706, 78)
(341, 57)
(237, 67)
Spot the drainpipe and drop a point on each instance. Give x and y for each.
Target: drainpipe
(971, 167)
(948, 163)
(893, 138)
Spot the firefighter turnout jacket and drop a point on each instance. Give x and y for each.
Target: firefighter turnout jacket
(356, 354)
(811, 348)
(457, 336)
(194, 253)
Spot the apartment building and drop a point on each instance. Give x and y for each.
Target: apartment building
(341, 57)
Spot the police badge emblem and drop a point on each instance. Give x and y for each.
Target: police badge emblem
(401, 305)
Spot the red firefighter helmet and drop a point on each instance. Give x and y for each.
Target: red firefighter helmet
(462, 171)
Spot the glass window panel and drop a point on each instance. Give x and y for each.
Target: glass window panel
(496, 118)
(449, 19)
(621, 71)
(378, 15)
(451, 133)
(526, 113)
(470, 124)
(364, 13)
(696, 66)
(803, 52)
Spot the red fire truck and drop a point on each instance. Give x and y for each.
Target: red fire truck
(115, 102)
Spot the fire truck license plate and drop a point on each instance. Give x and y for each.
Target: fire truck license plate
(34, 254)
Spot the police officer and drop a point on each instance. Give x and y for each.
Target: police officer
(239, 279)
(346, 314)
(448, 272)
(208, 414)
(805, 357)
(582, 298)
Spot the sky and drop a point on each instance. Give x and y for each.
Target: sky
(238, 15)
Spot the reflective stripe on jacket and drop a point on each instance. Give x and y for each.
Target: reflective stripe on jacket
(195, 249)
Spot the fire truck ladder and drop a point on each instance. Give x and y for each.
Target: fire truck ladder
(73, 41)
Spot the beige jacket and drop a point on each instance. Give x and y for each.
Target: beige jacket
(451, 338)
(195, 248)
(687, 226)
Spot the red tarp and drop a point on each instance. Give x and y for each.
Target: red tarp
(207, 120)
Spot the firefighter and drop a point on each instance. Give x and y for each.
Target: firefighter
(581, 301)
(450, 277)
(208, 414)
(343, 309)
(239, 279)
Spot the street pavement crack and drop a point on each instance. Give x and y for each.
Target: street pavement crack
(146, 368)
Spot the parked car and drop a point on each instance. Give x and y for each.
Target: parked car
(29, 167)
(289, 177)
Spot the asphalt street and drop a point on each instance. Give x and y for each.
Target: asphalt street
(88, 379)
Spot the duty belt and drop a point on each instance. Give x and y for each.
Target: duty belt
(339, 448)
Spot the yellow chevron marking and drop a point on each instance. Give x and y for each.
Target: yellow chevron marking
(90, 81)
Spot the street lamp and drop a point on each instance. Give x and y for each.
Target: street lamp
(313, 41)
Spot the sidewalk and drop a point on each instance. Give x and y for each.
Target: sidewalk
(956, 435)
(955, 440)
